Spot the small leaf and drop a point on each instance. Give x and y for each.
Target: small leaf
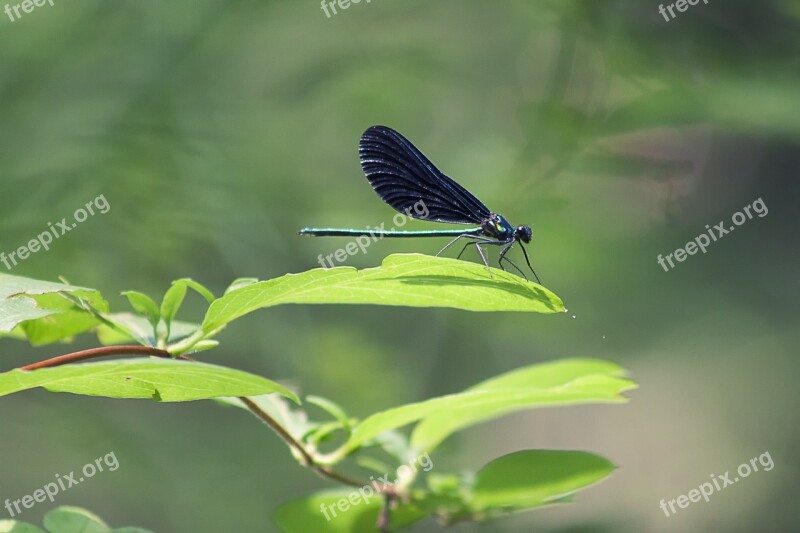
(174, 296)
(144, 305)
(165, 380)
(322, 433)
(171, 302)
(58, 327)
(67, 519)
(42, 312)
(198, 288)
(531, 478)
(403, 279)
(361, 509)
(331, 408)
(12, 526)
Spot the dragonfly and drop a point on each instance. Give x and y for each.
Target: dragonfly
(403, 178)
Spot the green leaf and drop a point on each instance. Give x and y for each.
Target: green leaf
(67, 322)
(567, 382)
(561, 383)
(67, 519)
(198, 288)
(325, 431)
(173, 298)
(144, 305)
(166, 380)
(12, 526)
(403, 279)
(531, 478)
(330, 407)
(172, 301)
(360, 514)
(41, 311)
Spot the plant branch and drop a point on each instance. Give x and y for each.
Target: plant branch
(93, 353)
(307, 458)
(385, 514)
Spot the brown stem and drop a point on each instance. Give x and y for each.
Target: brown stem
(383, 518)
(93, 353)
(308, 459)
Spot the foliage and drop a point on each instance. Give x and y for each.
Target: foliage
(44, 312)
(66, 519)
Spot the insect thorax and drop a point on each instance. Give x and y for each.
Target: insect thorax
(498, 227)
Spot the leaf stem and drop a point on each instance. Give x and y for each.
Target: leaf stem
(93, 353)
(385, 514)
(306, 457)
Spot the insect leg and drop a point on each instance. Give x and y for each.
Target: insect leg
(463, 236)
(529, 264)
(503, 257)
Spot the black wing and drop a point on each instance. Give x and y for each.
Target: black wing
(402, 176)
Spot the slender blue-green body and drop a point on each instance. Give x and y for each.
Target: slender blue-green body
(347, 232)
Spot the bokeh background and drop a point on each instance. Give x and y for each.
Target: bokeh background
(216, 129)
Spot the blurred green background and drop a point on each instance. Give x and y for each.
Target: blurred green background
(216, 129)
